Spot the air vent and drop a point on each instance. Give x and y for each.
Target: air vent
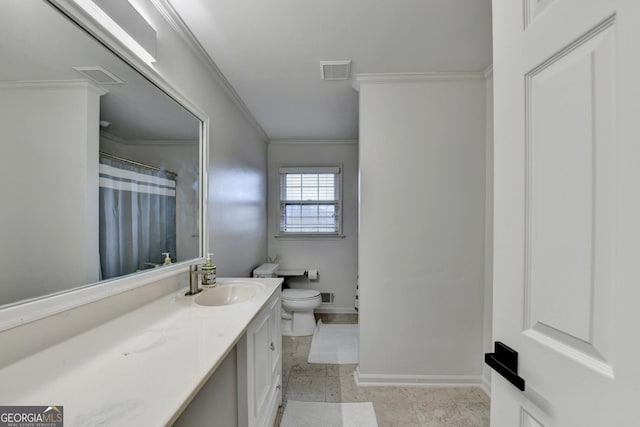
(99, 75)
(327, 297)
(335, 70)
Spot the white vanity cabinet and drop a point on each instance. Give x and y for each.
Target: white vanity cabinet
(260, 368)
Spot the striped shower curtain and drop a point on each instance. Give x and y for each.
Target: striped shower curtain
(137, 217)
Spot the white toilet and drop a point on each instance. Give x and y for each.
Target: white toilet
(297, 311)
(297, 305)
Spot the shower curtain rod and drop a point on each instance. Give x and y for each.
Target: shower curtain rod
(142, 165)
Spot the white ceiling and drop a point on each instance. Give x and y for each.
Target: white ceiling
(270, 51)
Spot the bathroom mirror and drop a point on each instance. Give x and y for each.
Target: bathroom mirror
(99, 167)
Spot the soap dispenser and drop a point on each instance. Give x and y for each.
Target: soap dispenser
(208, 273)
(167, 258)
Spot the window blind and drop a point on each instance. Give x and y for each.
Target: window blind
(310, 201)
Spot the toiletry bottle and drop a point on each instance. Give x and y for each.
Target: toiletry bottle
(208, 273)
(167, 258)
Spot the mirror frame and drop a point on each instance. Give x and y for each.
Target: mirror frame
(20, 313)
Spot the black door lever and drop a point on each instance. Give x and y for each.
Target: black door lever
(504, 360)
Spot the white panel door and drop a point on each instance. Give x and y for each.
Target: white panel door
(567, 211)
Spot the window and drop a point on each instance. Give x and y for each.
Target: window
(310, 201)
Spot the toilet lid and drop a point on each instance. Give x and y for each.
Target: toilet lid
(299, 294)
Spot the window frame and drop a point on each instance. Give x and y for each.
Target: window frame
(337, 202)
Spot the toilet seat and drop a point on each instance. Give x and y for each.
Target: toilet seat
(300, 294)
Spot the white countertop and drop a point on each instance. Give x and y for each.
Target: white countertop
(142, 368)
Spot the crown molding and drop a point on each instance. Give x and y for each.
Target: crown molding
(175, 21)
(163, 142)
(313, 141)
(55, 84)
(154, 142)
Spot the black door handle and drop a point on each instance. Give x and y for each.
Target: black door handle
(504, 360)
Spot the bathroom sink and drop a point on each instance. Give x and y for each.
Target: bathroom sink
(227, 294)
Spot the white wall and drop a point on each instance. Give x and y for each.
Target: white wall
(335, 259)
(49, 216)
(488, 251)
(422, 227)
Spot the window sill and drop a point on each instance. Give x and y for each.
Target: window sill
(302, 236)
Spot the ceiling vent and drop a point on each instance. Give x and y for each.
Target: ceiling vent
(99, 75)
(335, 70)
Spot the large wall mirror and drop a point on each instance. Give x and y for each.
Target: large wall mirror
(99, 167)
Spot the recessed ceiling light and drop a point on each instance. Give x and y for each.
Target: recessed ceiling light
(335, 70)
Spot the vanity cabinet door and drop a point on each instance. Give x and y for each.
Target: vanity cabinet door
(259, 368)
(259, 364)
(276, 348)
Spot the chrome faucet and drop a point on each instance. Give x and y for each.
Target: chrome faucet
(194, 288)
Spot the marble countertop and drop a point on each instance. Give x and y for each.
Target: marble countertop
(142, 368)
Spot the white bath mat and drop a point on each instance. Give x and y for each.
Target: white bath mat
(336, 344)
(325, 414)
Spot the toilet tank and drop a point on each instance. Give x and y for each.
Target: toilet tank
(266, 270)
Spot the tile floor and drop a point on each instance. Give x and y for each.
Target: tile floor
(394, 406)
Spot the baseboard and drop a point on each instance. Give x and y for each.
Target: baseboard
(336, 310)
(416, 380)
(486, 383)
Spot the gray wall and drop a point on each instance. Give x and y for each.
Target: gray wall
(335, 259)
(422, 230)
(237, 155)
